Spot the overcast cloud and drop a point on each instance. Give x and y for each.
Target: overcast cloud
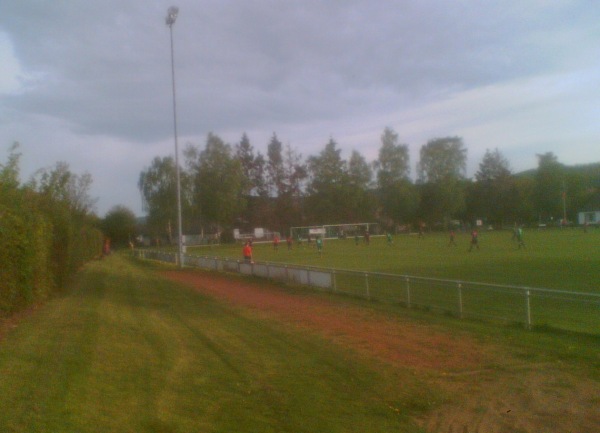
(88, 82)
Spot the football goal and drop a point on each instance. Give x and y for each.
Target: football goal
(333, 231)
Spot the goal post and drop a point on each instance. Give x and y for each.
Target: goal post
(334, 231)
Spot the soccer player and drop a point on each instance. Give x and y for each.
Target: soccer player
(421, 230)
(520, 238)
(276, 243)
(388, 236)
(474, 240)
(452, 236)
(319, 243)
(289, 243)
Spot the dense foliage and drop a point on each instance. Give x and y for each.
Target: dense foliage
(235, 187)
(120, 226)
(46, 230)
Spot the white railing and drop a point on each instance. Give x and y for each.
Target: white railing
(561, 309)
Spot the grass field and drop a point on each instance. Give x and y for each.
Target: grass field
(127, 352)
(554, 259)
(124, 350)
(561, 260)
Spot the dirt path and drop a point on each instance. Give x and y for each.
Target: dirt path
(488, 390)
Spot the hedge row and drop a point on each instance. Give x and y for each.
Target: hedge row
(43, 243)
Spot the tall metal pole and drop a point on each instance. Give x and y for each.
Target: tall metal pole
(171, 17)
(564, 203)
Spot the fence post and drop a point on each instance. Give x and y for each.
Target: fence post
(528, 307)
(334, 280)
(407, 292)
(367, 285)
(460, 302)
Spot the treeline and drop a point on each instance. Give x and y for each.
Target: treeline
(225, 186)
(47, 231)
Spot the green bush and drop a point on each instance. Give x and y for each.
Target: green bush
(11, 228)
(42, 245)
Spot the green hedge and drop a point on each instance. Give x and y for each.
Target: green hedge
(42, 245)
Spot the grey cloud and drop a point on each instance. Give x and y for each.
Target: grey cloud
(314, 68)
(262, 61)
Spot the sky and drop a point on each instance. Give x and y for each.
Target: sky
(88, 82)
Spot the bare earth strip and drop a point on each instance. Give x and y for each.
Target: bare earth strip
(487, 389)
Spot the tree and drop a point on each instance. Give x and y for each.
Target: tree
(119, 225)
(46, 231)
(254, 190)
(441, 170)
(397, 195)
(522, 192)
(581, 186)
(259, 210)
(10, 191)
(158, 186)
(361, 200)
(442, 159)
(493, 167)
(275, 168)
(244, 152)
(492, 194)
(289, 201)
(328, 186)
(64, 198)
(285, 176)
(60, 184)
(393, 162)
(218, 179)
(9, 172)
(549, 187)
(359, 171)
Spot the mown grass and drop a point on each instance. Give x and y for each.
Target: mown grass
(565, 260)
(125, 351)
(556, 259)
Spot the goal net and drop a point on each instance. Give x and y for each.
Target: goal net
(333, 231)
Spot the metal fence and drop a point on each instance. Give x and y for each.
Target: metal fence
(567, 310)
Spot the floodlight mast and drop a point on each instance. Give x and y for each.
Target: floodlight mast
(172, 15)
(170, 20)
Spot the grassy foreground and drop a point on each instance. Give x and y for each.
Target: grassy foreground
(127, 352)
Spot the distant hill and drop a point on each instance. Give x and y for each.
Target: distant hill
(591, 170)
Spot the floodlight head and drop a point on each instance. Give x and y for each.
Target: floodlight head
(172, 15)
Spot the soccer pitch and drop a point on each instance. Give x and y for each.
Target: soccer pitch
(566, 259)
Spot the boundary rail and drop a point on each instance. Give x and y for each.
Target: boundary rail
(561, 309)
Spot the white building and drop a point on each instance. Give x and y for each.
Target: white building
(590, 214)
(589, 217)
